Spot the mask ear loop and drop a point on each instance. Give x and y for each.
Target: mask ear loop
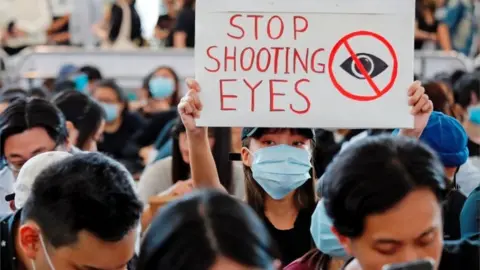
(49, 260)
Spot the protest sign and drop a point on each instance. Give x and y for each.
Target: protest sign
(305, 63)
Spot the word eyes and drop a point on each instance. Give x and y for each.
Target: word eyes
(373, 66)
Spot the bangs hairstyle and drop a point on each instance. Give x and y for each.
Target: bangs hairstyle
(304, 195)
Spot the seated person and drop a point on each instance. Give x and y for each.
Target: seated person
(85, 119)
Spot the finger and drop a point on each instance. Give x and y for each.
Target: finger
(197, 101)
(415, 85)
(187, 109)
(419, 92)
(419, 105)
(193, 84)
(428, 107)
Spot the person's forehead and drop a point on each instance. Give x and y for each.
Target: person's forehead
(418, 212)
(105, 92)
(92, 252)
(28, 141)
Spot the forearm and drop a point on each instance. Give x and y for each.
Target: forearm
(202, 164)
(444, 37)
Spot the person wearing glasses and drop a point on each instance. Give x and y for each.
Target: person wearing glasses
(28, 127)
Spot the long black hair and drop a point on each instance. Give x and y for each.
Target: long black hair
(221, 150)
(192, 232)
(84, 113)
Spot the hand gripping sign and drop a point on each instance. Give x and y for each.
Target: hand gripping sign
(309, 63)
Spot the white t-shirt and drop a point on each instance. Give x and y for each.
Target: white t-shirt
(7, 181)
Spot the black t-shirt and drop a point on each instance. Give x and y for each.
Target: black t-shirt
(149, 134)
(451, 215)
(424, 26)
(120, 145)
(186, 23)
(8, 254)
(166, 22)
(296, 242)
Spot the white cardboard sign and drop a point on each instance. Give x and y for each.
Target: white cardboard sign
(305, 63)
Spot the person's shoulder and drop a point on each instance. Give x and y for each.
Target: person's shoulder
(158, 168)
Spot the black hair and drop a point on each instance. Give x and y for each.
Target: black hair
(24, 114)
(188, 4)
(121, 95)
(63, 86)
(373, 175)
(85, 114)
(220, 151)
(93, 73)
(37, 92)
(305, 197)
(85, 192)
(175, 96)
(464, 88)
(190, 233)
(12, 94)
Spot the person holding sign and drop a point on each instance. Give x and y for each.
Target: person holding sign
(277, 165)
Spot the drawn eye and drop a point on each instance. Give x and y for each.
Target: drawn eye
(372, 65)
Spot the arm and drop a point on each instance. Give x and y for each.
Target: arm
(180, 40)
(202, 164)
(443, 36)
(422, 108)
(58, 24)
(160, 33)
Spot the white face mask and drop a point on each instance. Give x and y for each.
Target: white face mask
(47, 257)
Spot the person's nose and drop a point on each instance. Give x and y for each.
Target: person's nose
(410, 254)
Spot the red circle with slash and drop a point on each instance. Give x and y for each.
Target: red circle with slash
(378, 92)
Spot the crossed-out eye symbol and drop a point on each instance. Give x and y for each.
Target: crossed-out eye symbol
(372, 65)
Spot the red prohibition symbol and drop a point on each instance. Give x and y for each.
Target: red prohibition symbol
(378, 92)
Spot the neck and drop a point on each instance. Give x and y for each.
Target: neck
(113, 126)
(22, 259)
(281, 213)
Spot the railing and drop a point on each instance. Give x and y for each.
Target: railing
(130, 67)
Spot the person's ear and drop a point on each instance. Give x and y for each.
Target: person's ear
(344, 241)
(72, 132)
(29, 240)
(246, 157)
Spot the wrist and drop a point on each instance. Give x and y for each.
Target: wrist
(410, 133)
(199, 133)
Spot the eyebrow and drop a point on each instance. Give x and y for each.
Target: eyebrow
(36, 151)
(397, 242)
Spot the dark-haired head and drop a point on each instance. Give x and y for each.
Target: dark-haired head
(29, 127)
(207, 230)
(262, 138)
(10, 95)
(85, 118)
(82, 213)
(220, 142)
(112, 98)
(384, 195)
(162, 86)
(467, 90)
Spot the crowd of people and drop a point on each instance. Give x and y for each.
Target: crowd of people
(117, 24)
(93, 23)
(93, 178)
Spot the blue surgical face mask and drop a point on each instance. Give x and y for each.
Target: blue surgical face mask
(111, 112)
(474, 115)
(81, 83)
(321, 230)
(281, 169)
(161, 87)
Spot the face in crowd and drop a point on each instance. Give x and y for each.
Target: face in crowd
(384, 197)
(30, 127)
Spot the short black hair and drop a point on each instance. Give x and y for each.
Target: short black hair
(26, 113)
(12, 94)
(84, 112)
(464, 87)
(192, 232)
(86, 192)
(373, 175)
(93, 73)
